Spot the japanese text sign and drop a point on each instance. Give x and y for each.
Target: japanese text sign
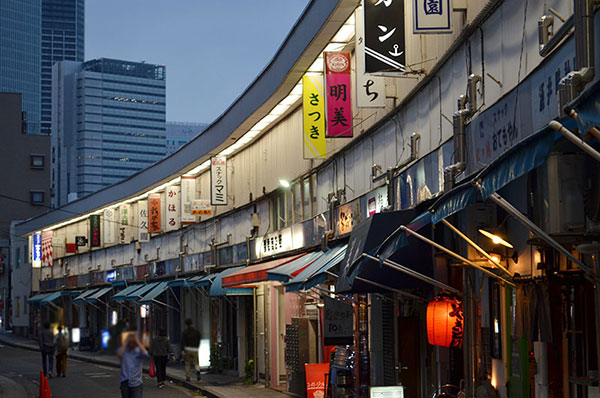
(432, 16)
(370, 90)
(95, 230)
(109, 221)
(154, 213)
(218, 181)
(172, 211)
(313, 111)
(315, 379)
(338, 94)
(338, 325)
(143, 230)
(188, 194)
(36, 251)
(201, 207)
(125, 224)
(384, 36)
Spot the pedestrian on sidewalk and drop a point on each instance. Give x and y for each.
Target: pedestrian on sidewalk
(190, 341)
(131, 354)
(62, 348)
(161, 351)
(47, 349)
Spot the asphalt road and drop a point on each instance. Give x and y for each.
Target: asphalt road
(83, 379)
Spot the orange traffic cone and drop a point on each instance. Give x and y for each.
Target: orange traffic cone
(46, 392)
(42, 377)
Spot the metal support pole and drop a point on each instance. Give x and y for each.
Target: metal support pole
(476, 247)
(575, 139)
(455, 255)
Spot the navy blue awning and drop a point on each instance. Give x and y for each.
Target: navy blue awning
(453, 201)
(324, 261)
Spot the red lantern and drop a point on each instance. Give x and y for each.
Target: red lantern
(445, 321)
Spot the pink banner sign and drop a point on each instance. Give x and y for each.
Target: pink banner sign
(338, 97)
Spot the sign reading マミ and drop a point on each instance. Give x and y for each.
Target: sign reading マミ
(218, 181)
(384, 36)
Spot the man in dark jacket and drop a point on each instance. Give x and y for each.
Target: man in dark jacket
(190, 341)
(47, 345)
(160, 350)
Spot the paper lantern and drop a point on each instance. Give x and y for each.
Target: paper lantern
(445, 321)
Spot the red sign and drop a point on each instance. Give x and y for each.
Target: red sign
(71, 248)
(154, 213)
(315, 379)
(338, 94)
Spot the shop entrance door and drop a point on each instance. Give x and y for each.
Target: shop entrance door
(409, 356)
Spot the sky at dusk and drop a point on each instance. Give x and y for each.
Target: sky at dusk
(212, 49)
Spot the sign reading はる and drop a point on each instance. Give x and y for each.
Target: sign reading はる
(338, 95)
(218, 181)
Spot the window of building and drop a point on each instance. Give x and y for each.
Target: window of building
(37, 197)
(17, 307)
(37, 161)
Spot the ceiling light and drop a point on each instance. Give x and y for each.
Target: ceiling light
(284, 183)
(495, 238)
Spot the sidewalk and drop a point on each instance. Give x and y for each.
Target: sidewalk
(211, 385)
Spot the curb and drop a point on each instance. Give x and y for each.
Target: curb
(83, 358)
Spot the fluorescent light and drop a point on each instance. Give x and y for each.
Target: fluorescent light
(335, 47)
(317, 66)
(284, 183)
(495, 238)
(345, 34)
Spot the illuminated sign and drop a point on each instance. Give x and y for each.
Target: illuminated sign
(36, 251)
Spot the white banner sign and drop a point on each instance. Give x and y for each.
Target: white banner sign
(109, 220)
(142, 216)
(432, 16)
(188, 194)
(172, 208)
(201, 207)
(218, 181)
(125, 224)
(370, 90)
(377, 200)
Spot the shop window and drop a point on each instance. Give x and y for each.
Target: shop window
(37, 161)
(36, 197)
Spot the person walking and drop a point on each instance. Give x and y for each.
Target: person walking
(47, 345)
(190, 341)
(62, 347)
(131, 354)
(160, 350)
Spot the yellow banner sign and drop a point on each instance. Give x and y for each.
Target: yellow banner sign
(313, 110)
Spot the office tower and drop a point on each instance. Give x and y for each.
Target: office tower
(180, 133)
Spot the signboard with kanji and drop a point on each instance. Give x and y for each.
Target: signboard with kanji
(154, 213)
(109, 221)
(432, 16)
(201, 207)
(173, 202)
(95, 230)
(142, 213)
(218, 181)
(313, 110)
(370, 89)
(338, 94)
(188, 194)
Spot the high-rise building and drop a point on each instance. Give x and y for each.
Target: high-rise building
(108, 123)
(179, 133)
(62, 39)
(20, 70)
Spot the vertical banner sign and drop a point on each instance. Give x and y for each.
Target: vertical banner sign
(172, 202)
(109, 221)
(431, 16)
(47, 249)
(188, 194)
(95, 230)
(313, 111)
(338, 98)
(36, 251)
(125, 224)
(218, 181)
(143, 231)
(370, 90)
(384, 35)
(154, 213)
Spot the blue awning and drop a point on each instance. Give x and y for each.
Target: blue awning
(51, 298)
(587, 106)
(118, 283)
(322, 275)
(181, 282)
(121, 296)
(150, 296)
(81, 298)
(331, 255)
(204, 280)
(217, 289)
(137, 294)
(98, 295)
(287, 271)
(37, 298)
(453, 201)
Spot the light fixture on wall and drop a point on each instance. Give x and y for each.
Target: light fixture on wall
(495, 239)
(284, 183)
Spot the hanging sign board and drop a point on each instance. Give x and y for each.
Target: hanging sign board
(154, 213)
(188, 194)
(432, 16)
(218, 181)
(47, 249)
(36, 251)
(172, 213)
(338, 322)
(201, 207)
(143, 231)
(338, 95)
(370, 89)
(384, 36)
(81, 241)
(386, 392)
(124, 224)
(109, 221)
(95, 230)
(313, 111)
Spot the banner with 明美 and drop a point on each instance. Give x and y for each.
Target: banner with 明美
(338, 94)
(313, 112)
(154, 213)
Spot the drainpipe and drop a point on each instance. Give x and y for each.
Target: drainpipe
(460, 148)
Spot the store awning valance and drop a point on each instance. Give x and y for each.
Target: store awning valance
(37, 298)
(217, 289)
(98, 295)
(153, 294)
(287, 271)
(121, 296)
(327, 260)
(137, 294)
(256, 273)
